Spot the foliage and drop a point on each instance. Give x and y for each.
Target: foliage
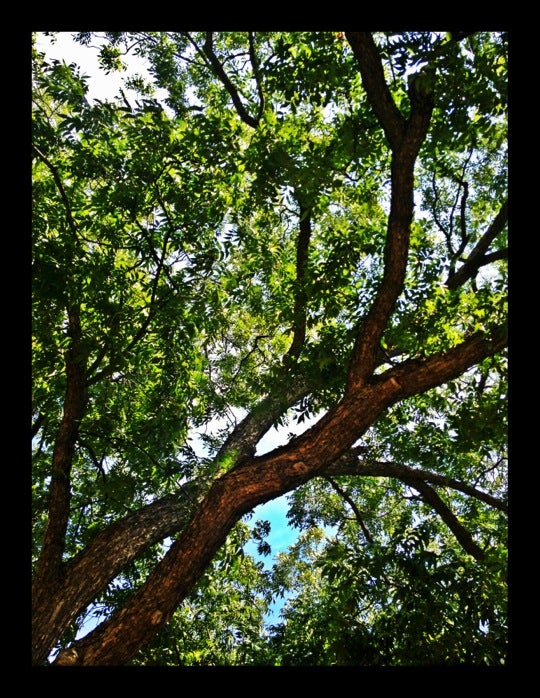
(410, 599)
(303, 222)
(222, 623)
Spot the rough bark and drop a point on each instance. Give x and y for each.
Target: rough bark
(50, 563)
(371, 70)
(89, 572)
(405, 138)
(255, 481)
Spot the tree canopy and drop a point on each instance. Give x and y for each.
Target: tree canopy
(306, 225)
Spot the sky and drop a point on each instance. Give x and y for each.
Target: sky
(100, 85)
(103, 86)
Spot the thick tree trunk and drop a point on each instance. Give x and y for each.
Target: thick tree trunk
(56, 606)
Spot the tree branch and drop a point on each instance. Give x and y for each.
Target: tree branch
(50, 561)
(478, 256)
(243, 440)
(417, 375)
(98, 462)
(208, 49)
(429, 495)
(418, 480)
(463, 217)
(104, 558)
(60, 187)
(371, 70)
(353, 506)
(160, 267)
(257, 74)
(405, 139)
(351, 465)
(38, 423)
(300, 298)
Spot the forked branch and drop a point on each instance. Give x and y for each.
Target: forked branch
(479, 256)
(218, 69)
(405, 138)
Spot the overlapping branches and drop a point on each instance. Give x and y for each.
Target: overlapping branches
(350, 501)
(351, 464)
(116, 546)
(421, 480)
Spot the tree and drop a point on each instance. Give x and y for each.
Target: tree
(312, 223)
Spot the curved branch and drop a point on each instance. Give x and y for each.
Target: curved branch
(405, 138)
(463, 217)
(351, 465)
(257, 74)
(38, 423)
(447, 234)
(418, 480)
(160, 262)
(243, 440)
(98, 462)
(495, 256)
(60, 187)
(208, 49)
(250, 353)
(365, 351)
